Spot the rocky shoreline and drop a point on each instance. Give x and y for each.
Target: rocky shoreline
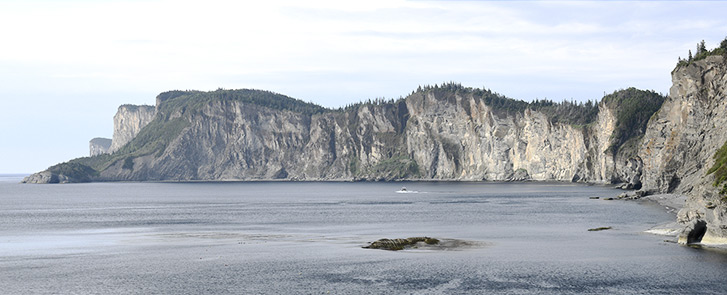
(672, 203)
(683, 231)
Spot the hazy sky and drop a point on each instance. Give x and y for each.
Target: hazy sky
(66, 66)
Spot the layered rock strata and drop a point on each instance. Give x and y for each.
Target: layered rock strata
(430, 135)
(679, 145)
(439, 134)
(128, 122)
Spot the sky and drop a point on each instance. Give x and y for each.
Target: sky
(66, 66)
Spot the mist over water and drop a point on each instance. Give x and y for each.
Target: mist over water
(299, 237)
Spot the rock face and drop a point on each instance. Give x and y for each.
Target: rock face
(42, 177)
(448, 133)
(99, 146)
(432, 134)
(680, 142)
(128, 121)
(462, 138)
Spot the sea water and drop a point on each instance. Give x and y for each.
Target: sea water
(307, 238)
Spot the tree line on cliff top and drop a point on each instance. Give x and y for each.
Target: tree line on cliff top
(702, 53)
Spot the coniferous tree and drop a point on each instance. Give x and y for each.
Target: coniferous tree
(701, 47)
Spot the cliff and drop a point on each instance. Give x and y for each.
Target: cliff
(128, 122)
(98, 146)
(442, 133)
(681, 141)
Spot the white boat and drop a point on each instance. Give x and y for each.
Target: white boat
(403, 190)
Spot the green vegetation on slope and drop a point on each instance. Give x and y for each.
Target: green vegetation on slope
(153, 139)
(133, 107)
(720, 170)
(633, 108)
(75, 170)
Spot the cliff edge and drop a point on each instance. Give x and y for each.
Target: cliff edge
(679, 147)
(446, 132)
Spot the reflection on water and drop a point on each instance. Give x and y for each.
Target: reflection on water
(272, 238)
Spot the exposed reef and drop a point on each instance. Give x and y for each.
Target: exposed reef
(424, 243)
(401, 244)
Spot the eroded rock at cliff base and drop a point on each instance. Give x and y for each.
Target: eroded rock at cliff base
(520, 175)
(693, 233)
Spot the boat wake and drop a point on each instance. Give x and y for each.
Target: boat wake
(403, 190)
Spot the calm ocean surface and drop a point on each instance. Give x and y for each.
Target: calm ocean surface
(306, 238)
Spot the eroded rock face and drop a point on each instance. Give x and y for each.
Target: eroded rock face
(99, 146)
(451, 141)
(432, 134)
(680, 142)
(232, 140)
(450, 136)
(128, 121)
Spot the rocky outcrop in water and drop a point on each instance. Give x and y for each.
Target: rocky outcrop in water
(401, 244)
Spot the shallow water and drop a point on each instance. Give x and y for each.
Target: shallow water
(292, 237)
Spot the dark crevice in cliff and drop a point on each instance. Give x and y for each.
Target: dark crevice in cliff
(697, 232)
(673, 184)
(402, 112)
(332, 146)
